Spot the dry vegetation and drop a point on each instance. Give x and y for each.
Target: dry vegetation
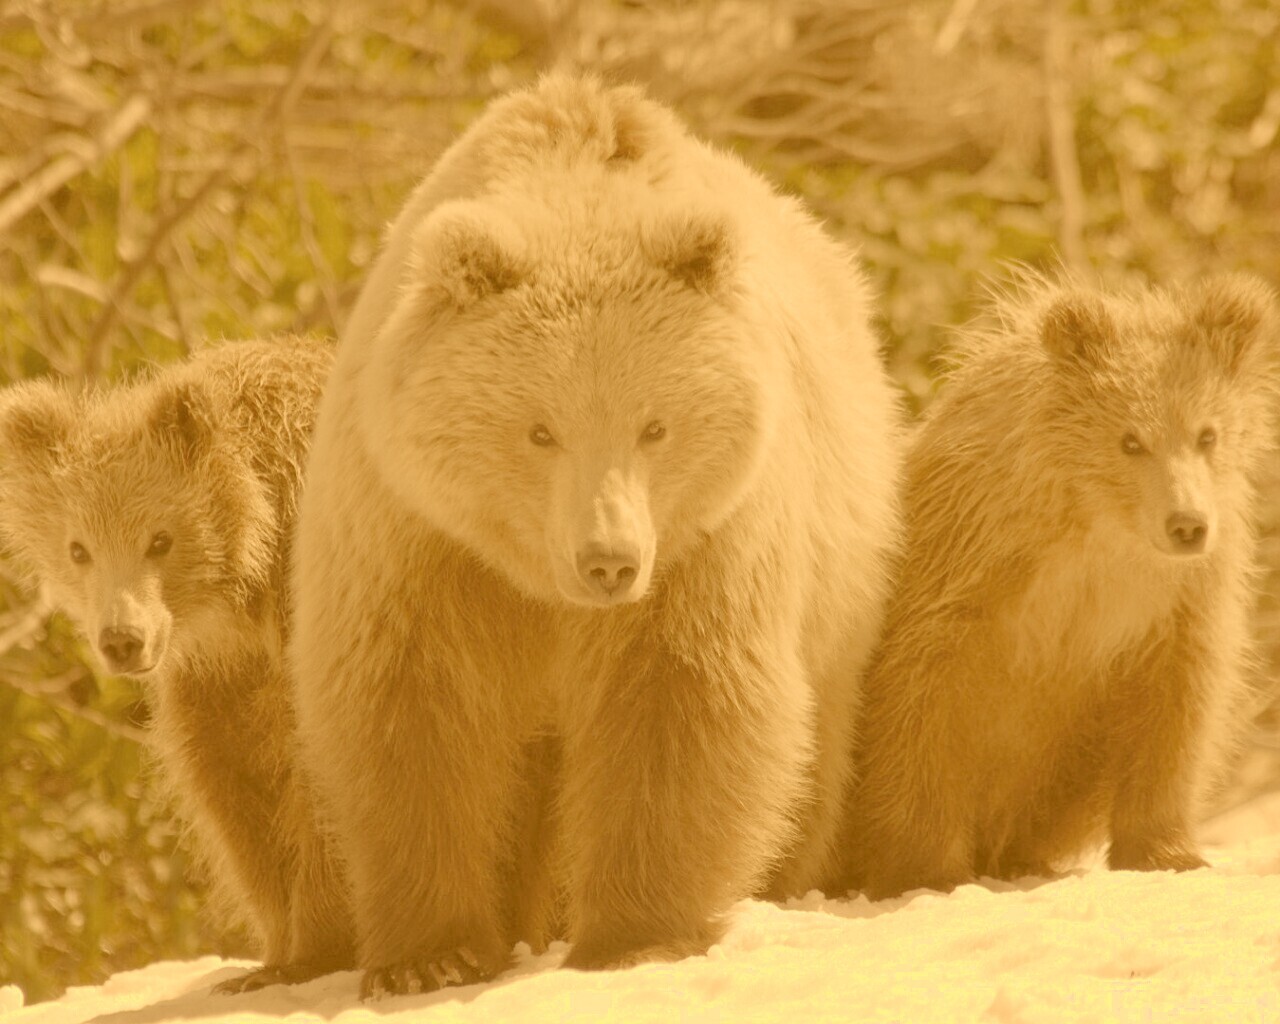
(179, 170)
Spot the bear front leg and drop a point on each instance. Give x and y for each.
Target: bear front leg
(424, 814)
(1162, 715)
(221, 756)
(321, 933)
(908, 844)
(414, 762)
(910, 821)
(322, 929)
(533, 889)
(682, 775)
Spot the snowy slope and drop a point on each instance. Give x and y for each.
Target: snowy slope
(1093, 946)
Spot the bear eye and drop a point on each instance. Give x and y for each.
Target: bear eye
(160, 545)
(79, 554)
(655, 431)
(541, 436)
(1130, 445)
(1208, 438)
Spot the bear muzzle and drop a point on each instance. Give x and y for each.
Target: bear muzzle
(134, 628)
(610, 572)
(124, 650)
(1187, 533)
(606, 556)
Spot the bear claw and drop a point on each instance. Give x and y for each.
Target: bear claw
(427, 974)
(262, 977)
(1120, 859)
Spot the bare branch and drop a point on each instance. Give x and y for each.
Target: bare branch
(105, 18)
(175, 307)
(953, 28)
(60, 700)
(115, 133)
(307, 224)
(28, 623)
(55, 276)
(1062, 139)
(96, 347)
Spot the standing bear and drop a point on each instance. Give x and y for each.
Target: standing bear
(160, 516)
(608, 455)
(1066, 657)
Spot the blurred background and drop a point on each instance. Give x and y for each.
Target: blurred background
(173, 171)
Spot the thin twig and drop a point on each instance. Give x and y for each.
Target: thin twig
(53, 275)
(115, 133)
(1062, 140)
(310, 241)
(250, 82)
(65, 703)
(46, 109)
(953, 28)
(105, 18)
(175, 307)
(26, 625)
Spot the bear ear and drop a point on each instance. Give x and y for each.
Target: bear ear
(1077, 329)
(1235, 315)
(183, 418)
(632, 134)
(36, 421)
(464, 255)
(697, 248)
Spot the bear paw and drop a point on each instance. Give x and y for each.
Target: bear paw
(1155, 858)
(890, 885)
(274, 974)
(1016, 868)
(587, 955)
(426, 974)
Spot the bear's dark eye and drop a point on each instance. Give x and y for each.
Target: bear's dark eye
(541, 436)
(655, 431)
(1130, 445)
(78, 553)
(1208, 438)
(160, 545)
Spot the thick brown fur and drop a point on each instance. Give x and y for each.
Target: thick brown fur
(1059, 664)
(590, 336)
(177, 495)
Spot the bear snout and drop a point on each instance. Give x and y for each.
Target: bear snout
(609, 573)
(121, 648)
(1188, 533)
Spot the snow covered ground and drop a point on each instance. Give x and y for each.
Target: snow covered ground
(1093, 946)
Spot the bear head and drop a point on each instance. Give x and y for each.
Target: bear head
(135, 510)
(1165, 403)
(577, 403)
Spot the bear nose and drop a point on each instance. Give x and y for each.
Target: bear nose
(1188, 532)
(607, 570)
(120, 645)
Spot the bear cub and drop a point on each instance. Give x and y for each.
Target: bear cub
(1066, 656)
(160, 515)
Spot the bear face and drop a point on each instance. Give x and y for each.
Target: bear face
(1161, 404)
(552, 419)
(131, 515)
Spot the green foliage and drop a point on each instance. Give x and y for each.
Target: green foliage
(99, 882)
(928, 241)
(87, 848)
(1178, 131)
